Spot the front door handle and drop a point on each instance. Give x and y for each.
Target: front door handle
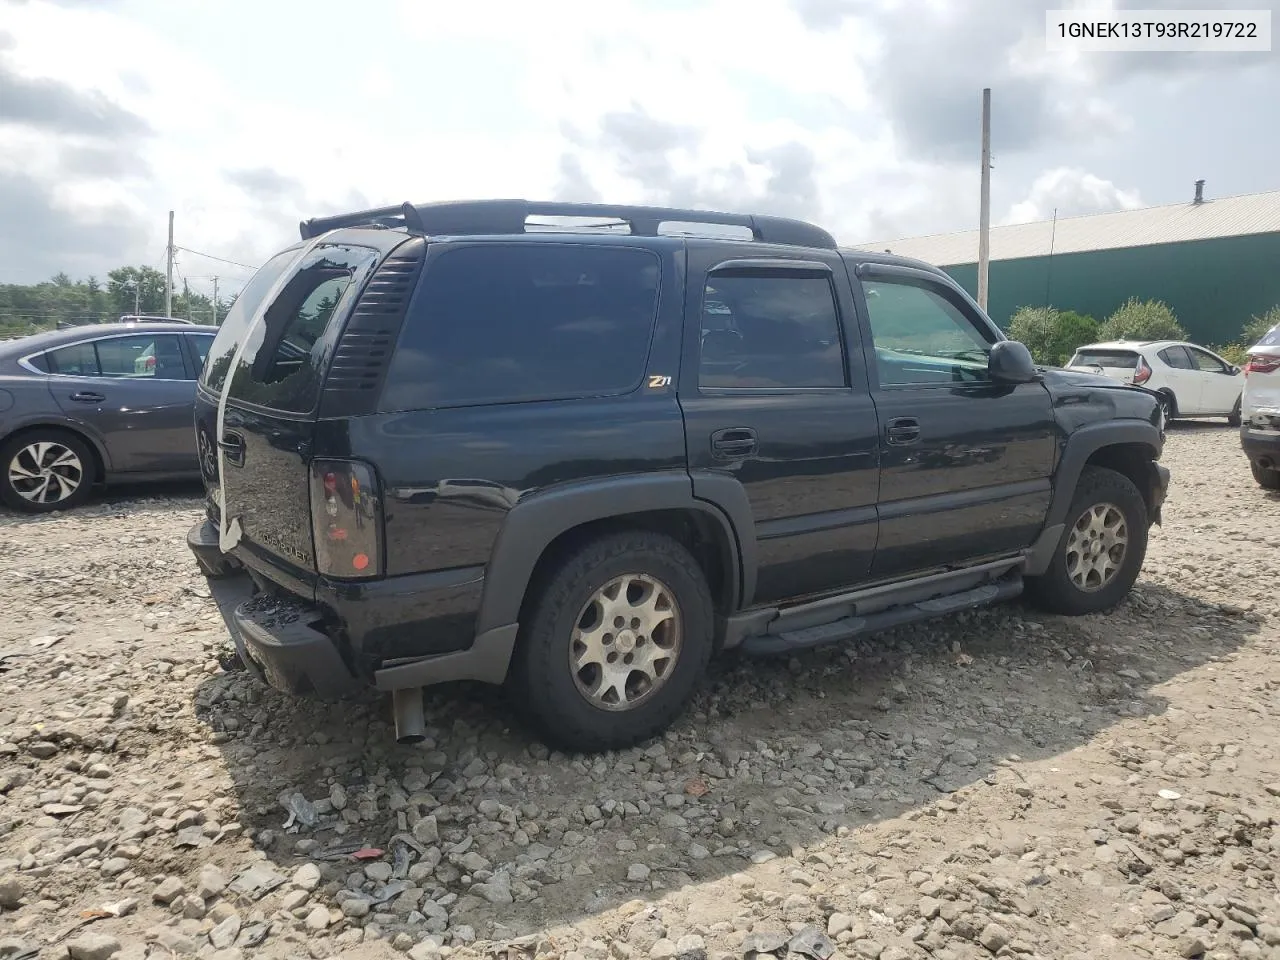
(903, 430)
(734, 443)
(232, 444)
(87, 396)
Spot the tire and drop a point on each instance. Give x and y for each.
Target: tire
(1268, 478)
(557, 698)
(1100, 495)
(1233, 418)
(1168, 407)
(44, 470)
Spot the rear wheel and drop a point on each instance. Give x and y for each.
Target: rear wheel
(615, 643)
(1233, 418)
(45, 470)
(1101, 551)
(1268, 478)
(1168, 407)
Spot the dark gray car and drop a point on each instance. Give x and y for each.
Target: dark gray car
(108, 403)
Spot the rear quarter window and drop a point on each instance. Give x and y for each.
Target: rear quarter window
(509, 323)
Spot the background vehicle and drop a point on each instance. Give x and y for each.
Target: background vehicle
(582, 463)
(1191, 381)
(107, 403)
(1260, 430)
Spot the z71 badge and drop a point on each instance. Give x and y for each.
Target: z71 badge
(657, 381)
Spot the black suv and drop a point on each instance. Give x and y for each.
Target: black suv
(490, 441)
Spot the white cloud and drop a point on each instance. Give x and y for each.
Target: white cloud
(1071, 192)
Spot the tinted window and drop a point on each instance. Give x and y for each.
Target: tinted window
(143, 356)
(1176, 357)
(201, 347)
(237, 319)
(1207, 362)
(1109, 359)
(285, 355)
(922, 337)
(40, 362)
(504, 323)
(79, 359)
(763, 329)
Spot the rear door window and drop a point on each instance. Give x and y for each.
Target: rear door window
(1177, 358)
(286, 354)
(146, 356)
(509, 323)
(76, 360)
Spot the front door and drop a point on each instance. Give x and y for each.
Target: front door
(773, 397)
(965, 463)
(138, 391)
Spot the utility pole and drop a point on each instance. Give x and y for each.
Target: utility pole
(984, 218)
(168, 271)
(215, 301)
(137, 296)
(186, 295)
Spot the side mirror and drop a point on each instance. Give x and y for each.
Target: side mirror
(1235, 371)
(1010, 362)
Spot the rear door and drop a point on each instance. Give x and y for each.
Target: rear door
(774, 397)
(270, 395)
(1180, 376)
(137, 390)
(1220, 383)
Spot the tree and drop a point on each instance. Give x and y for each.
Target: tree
(1052, 335)
(1257, 327)
(1143, 320)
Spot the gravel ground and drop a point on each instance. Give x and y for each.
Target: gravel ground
(998, 783)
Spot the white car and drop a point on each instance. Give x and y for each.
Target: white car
(1260, 432)
(1191, 381)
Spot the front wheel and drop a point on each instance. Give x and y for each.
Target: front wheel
(45, 470)
(1233, 418)
(1268, 478)
(1101, 551)
(615, 642)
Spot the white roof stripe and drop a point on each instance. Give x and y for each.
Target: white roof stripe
(1174, 223)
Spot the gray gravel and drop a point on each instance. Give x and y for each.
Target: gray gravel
(1001, 783)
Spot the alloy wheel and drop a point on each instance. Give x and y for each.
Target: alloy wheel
(1096, 547)
(46, 472)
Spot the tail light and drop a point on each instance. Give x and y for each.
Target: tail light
(1143, 373)
(1261, 364)
(346, 519)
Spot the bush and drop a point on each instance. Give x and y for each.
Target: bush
(1143, 320)
(1236, 353)
(1257, 327)
(1050, 334)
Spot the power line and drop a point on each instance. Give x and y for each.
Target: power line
(209, 256)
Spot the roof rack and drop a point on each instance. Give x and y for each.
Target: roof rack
(473, 217)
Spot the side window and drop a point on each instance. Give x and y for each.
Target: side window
(921, 337)
(510, 323)
(200, 347)
(1207, 362)
(78, 360)
(40, 362)
(145, 356)
(1177, 358)
(284, 359)
(770, 329)
(236, 323)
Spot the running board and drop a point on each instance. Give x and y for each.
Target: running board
(788, 641)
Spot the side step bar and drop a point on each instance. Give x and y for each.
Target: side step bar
(788, 641)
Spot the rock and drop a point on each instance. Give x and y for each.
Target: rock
(496, 891)
(225, 933)
(306, 877)
(93, 946)
(211, 883)
(427, 830)
(10, 893)
(691, 947)
(1191, 945)
(338, 797)
(637, 873)
(378, 872)
(115, 866)
(169, 890)
(426, 950)
(356, 907)
(317, 919)
(870, 949)
(994, 936)
(664, 949)
(838, 923)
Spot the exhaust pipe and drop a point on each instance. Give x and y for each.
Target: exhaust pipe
(406, 705)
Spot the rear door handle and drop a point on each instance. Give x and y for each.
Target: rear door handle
(903, 430)
(734, 443)
(232, 444)
(87, 396)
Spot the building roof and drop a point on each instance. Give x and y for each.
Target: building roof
(1174, 223)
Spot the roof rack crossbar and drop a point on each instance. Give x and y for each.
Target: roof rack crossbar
(478, 217)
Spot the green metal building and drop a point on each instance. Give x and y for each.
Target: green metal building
(1215, 262)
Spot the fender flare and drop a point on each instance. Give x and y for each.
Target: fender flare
(1083, 444)
(533, 524)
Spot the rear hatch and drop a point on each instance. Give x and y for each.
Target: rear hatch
(257, 416)
(1261, 403)
(1121, 365)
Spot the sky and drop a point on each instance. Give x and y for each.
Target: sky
(861, 115)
